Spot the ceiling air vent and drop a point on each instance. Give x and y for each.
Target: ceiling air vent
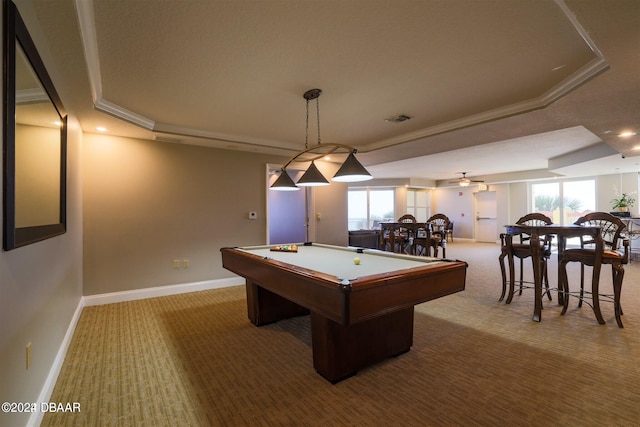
(398, 119)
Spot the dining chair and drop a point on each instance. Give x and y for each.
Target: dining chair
(439, 223)
(522, 250)
(422, 239)
(448, 232)
(406, 234)
(615, 252)
(407, 218)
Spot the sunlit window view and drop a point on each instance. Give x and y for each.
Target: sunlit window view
(564, 202)
(367, 208)
(358, 210)
(418, 204)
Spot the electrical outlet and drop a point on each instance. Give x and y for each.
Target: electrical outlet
(176, 263)
(253, 215)
(185, 263)
(28, 356)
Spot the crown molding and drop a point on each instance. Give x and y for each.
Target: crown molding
(86, 22)
(587, 72)
(89, 39)
(117, 111)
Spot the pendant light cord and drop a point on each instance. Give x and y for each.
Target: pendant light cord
(306, 134)
(318, 117)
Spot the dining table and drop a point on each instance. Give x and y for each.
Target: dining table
(405, 237)
(563, 233)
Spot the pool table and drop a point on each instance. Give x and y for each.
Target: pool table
(360, 313)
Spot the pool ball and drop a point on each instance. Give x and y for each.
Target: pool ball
(356, 261)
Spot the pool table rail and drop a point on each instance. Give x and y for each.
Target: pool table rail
(327, 296)
(376, 295)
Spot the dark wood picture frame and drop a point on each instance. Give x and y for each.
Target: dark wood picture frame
(15, 32)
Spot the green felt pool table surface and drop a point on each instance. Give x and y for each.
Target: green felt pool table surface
(338, 261)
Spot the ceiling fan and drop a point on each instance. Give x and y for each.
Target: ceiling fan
(464, 181)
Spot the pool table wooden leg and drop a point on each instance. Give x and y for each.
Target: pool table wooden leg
(264, 306)
(340, 350)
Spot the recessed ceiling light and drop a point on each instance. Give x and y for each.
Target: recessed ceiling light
(637, 147)
(626, 134)
(101, 129)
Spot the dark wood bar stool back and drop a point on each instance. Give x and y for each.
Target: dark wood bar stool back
(521, 249)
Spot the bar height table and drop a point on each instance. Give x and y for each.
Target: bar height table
(563, 232)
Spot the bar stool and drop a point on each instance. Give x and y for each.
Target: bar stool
(611, 229)
(522, 250)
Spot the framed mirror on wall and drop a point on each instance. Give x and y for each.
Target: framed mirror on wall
(35, 141)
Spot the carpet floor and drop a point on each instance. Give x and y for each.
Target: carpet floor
(195, 360)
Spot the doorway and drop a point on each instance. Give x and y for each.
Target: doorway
(286, 211)
(486, 216)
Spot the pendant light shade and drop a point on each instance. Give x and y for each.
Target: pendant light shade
(352, 171)
(312, 177)
(284, 183)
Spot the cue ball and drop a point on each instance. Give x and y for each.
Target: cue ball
(356, 261)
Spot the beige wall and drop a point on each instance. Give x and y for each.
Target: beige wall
(518, 201)
(147, 203)
(40, 284)
(40, 288)
(612, 186)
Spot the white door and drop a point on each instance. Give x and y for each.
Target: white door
(486, 216)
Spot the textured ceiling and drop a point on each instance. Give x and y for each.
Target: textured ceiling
(493, 87)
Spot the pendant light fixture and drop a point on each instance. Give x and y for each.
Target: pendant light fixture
(350, 171)
(312, 177)
(284, 183)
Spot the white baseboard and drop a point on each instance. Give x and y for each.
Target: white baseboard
(45, 394)
(159, 291)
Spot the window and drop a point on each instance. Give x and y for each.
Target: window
(368, 207)
(418, 204)
(564, 201)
